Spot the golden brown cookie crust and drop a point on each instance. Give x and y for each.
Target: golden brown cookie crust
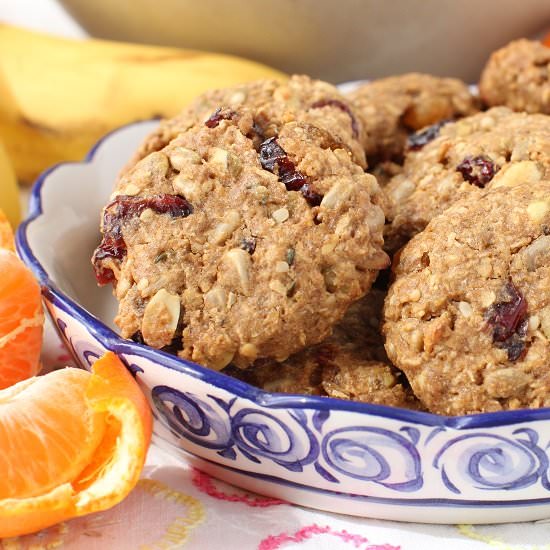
(350, 364)
(518, 76)
(253, 262)
(465, 157)
(468, 315)
(299, 99)
(392, 108)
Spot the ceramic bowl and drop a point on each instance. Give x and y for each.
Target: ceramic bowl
(325, 38)
(330, 454)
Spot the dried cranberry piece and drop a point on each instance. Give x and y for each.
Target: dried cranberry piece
(249, 245)
(112, 246)
(271, 153)
(477, 170)
(122, 208)
(508, 320)
(343, 107)
(514, 346)
(103, 275)
(126, 207)
(275, 159)
(312, 197)
(217, 116)
(292, 179)
(417, 140)
(506, 316)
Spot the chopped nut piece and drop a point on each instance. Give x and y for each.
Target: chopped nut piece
(544, 315)
(130, 190)
(152, 167)
(215, 297)
(160, 318)
(219, 156)
(537, 252)
(534, 322)
(222, 360)
(231, 299)
(226, 159)
(505, 382)
(337, 194)
(123, 287)
(249, 350)
(522, 172)
(225, 229)
(537, 210)
(237, 98)
(280, 215)
(487, 298)
(400, 192)
(239, 260)
(142, 284)
(147, 215)
(281, 267)
(180, 157)
(190, 189)
(465, 308)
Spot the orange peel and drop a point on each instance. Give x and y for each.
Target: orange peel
(72, 442)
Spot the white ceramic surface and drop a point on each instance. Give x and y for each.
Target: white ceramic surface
(330, 454)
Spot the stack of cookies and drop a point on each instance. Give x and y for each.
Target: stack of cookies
(391, 246)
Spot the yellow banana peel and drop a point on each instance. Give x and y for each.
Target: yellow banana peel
(58, 96)
(9, 192)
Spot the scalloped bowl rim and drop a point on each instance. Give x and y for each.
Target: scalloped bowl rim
(111, 340)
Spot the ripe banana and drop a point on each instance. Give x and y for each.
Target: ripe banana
(9, 193)
(58, 96)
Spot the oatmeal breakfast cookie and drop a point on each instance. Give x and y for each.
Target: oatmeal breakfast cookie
(467, 317)
(392, 108)
(518, 76)
(349, 364)
(229, 246)
(300, 99)
(460, 159)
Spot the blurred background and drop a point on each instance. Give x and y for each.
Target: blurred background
(336, 40)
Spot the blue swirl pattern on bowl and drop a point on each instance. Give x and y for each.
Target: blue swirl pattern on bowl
(326, 453)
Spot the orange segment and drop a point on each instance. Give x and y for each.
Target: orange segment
(21, 320)
(546, 40)
(19, 359)
(6, 233)
(51, 408)
(72, 443)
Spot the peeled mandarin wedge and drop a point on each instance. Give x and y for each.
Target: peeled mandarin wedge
(72, 443)
(21, 318)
